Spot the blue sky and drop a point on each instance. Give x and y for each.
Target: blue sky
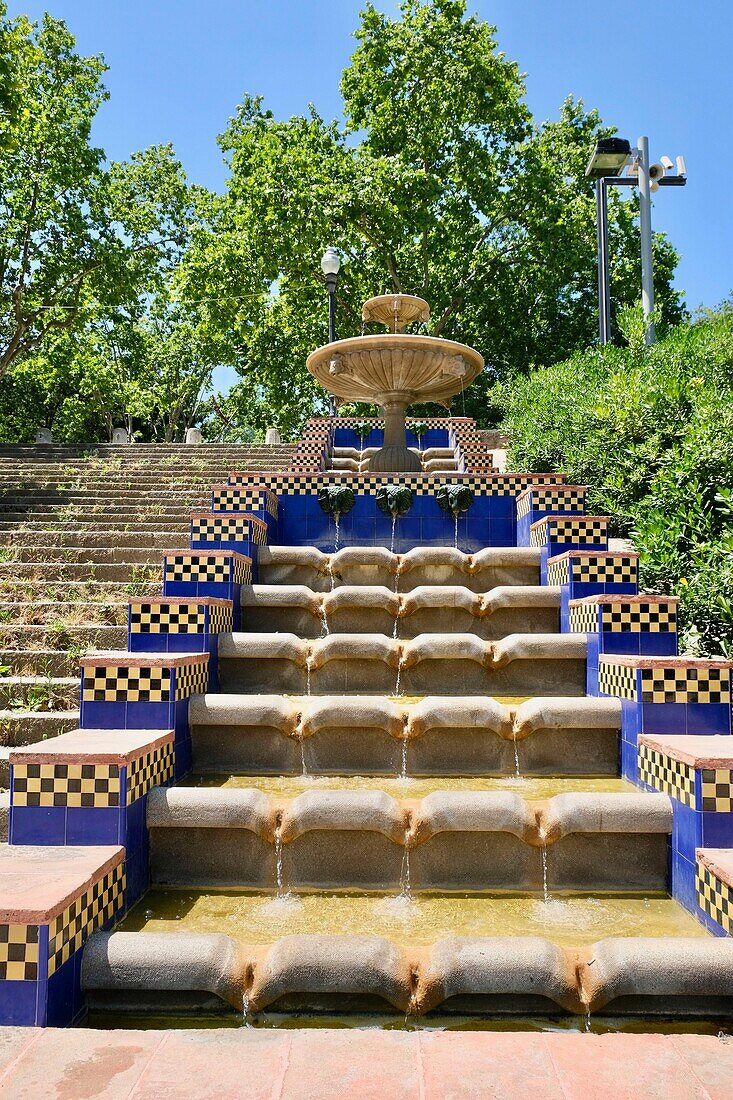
(179, 67)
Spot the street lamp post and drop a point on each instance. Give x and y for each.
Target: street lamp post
(607, 161)
(330, 264)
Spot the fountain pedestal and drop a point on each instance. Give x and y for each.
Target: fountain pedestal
(394, 454)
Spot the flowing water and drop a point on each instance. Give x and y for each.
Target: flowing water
(399, 675)
(303, 769)
(517, 774)
(531, 788)
(329, 570)
(308, 668)
(279, 864)
(545, 890)
(403, 769)
(455, 530)
(245, 1009)
(337, 536)
(569, 920)
(394, 523)
(324, 621)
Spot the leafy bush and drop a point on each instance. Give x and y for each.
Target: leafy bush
(650, 431)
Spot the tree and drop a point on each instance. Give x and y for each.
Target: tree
(440, 184)
(76, 235)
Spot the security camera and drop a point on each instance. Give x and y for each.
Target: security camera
(681, 166)
(666, 163)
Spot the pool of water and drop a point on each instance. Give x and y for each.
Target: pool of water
(260, 918)
(538, 787)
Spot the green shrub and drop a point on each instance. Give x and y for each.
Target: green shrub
(650, 431)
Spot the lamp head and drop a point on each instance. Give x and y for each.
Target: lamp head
(608, 158)
(330, 262)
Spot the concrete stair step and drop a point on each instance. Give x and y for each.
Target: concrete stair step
(89, 593)
(112, 527)
(101, 569)
(39, 612)
(150, 540)
(61, 636)
(40, 662)
(100, 555)
(453, 664)
(39, 693)
(426, 609)
(434, 736)
(26, 727)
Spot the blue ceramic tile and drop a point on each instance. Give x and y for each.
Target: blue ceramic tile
(686, 830)
(708, 718)
(18, 1004)
(658, 645)
(37, 825)
(683, 888)
(93, 826)
(717, 830)
(62, 993)
(663, 718)
(629, 763)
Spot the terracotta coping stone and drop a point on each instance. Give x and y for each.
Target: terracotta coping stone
(123, 659)
(719, 861)
(618, 598)
(206, 553)
(250, 488)
(92, 747)
(383, 473)
(629, 661)
(209, 601)
(708, 751)
(560, 487)
(594, 554)
(37, 882)
(552, 518)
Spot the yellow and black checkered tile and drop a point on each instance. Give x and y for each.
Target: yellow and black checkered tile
(231, 498)
(667, 775)
(91, 786)
(618, 680)
(605, 569)
(584, 618)
(191, 679)
(685, 685)
(229, 528)
(19, 952)
(208, 567)
(167, 618)
(569, 529)
(716, 790)
(549, 500)
(151, 770)
(639, 617)
(220, 619)
(69, 931)
(130, 684)
(714, 897)
(304, 484)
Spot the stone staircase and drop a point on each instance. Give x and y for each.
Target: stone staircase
(442, 763)
(82, 530)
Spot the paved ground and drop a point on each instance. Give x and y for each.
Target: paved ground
(378, 1065)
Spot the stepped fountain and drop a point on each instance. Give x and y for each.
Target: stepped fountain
(395, 370)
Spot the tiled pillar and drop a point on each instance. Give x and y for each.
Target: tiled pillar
(639, 625)
(257, 500)
(581, 573)
(697, 773)
(51, 901)
(556, 535)
(174, 624)
(666, 695)
(235, 531)
(90, 787)
(536, 502)
(218, 573)
(143, 691)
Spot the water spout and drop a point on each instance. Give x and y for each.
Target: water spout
(399, 675)
(336, 520)
(391, 544)
(308, 666)
(517, 773)
(279, 860)
(329, 570)
(405, 887)
(543, 849)
(403, 769)
(324, 620)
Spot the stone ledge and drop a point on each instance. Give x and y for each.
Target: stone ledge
(37, 882)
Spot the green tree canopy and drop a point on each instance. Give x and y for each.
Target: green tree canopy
(439, 184)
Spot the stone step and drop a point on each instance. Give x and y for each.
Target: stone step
(52, 525)
(40, 662)
(373, 735)
(89, 593)
(101, 569)
(454, 664)
(81, 539)
(356, 840)
(65, 497)
(41, 555)
(495, 977)
(61, 636)
(434, 565)
(39, 693)
(108, 517)
(25, 727)
(39, 612)
(426, 609)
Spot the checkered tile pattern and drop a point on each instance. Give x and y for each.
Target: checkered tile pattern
(639, 618)
(619, 680)
(230, 498)
(226, 528)
(551, 500)
(192, 679)
(714, 897)
(167, 618)
(667, 775)
(716, 790)
(584, 618)
(305, 484)
(151, 770)
(220, 619)
(569, 529)
(205, 567)
(19, 952)
(69, 931)
(609, 569)
(685, 685)
(118, 684)
(92, 786)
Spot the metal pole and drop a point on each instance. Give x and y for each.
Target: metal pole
(331, 285)
(645, 228)
(604, 290)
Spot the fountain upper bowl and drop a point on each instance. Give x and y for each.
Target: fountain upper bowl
(392, 366)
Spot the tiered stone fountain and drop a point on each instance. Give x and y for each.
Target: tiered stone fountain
(430, 780)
